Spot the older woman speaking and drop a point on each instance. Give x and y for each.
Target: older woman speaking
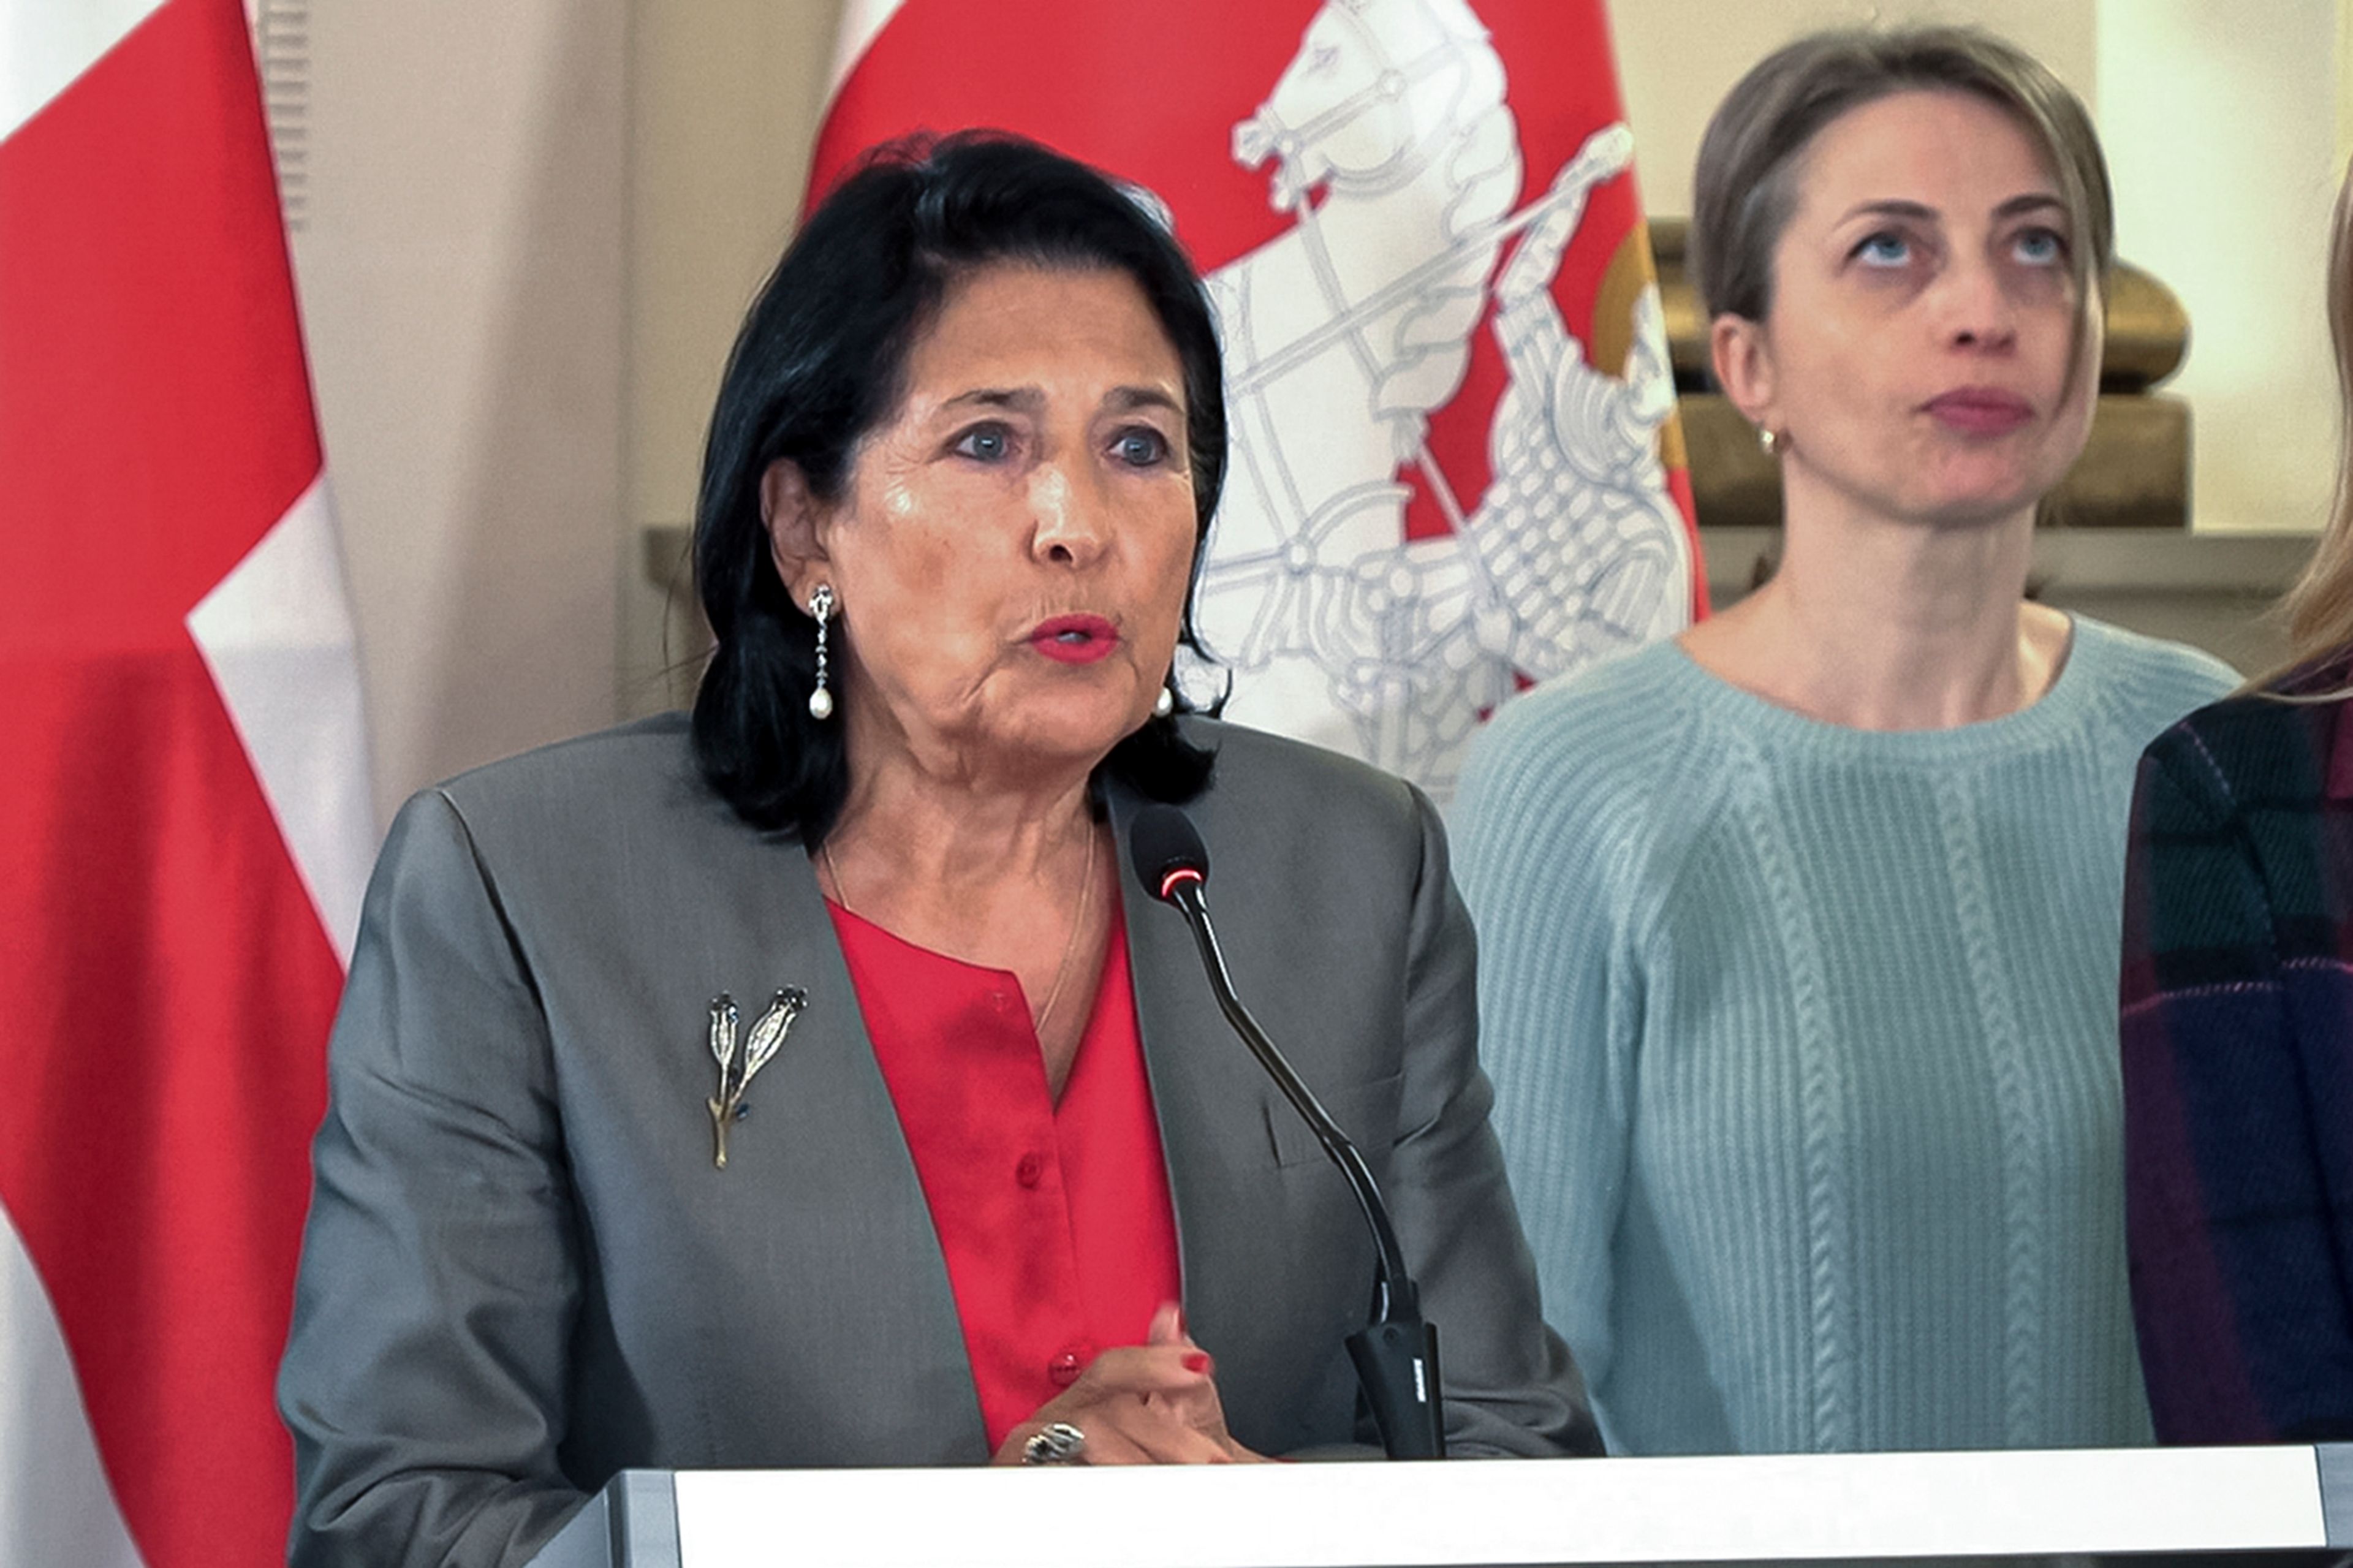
(806, 1084)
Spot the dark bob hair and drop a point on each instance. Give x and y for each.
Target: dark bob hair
(821, 362)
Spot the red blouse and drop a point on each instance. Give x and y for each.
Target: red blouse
(1054, 1217)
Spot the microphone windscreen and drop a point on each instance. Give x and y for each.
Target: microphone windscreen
(1163, 839)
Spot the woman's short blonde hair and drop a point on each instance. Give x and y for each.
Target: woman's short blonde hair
(2319, 608)
(1744, 187)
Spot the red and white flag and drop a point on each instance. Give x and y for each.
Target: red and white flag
(184, 818)
(1456, 468)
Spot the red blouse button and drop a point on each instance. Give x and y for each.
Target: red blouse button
(1028, 1169)
(1064, 1369)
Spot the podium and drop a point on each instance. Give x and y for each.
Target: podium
(2293, 1505)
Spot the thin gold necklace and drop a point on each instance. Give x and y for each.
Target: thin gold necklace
(1070, 947)
(1086, 906)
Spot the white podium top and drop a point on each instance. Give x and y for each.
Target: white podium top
(1817, 1506)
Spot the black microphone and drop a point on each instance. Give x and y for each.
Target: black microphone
(1396, 1354)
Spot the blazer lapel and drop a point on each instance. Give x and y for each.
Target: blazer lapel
(827, 1125)
(1212, 1102)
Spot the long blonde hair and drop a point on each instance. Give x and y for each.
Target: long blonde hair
(2319, 609)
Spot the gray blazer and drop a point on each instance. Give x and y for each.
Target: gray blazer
(522, 1271)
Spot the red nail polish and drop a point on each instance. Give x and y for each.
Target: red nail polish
(1197, 1361)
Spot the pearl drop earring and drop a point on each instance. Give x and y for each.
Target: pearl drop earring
(820, 703)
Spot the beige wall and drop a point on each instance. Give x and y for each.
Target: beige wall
(725, 97)
(1677, 59)
(533, 225)
(461, 275)
(2221, 123)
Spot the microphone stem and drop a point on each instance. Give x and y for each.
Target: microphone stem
(1394, 1286)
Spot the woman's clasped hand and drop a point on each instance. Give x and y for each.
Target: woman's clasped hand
(1153, 1403)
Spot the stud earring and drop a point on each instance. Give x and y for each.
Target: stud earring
(1770, 440)
(821, 609)
(1165, 704)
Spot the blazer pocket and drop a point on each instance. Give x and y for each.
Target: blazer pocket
(1366, 1112)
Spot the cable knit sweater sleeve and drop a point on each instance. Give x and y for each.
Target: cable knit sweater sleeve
(1549, 833)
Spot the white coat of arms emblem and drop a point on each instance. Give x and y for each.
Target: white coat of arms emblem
(1390, 141)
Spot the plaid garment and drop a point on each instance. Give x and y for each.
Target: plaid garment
(2237, 1034)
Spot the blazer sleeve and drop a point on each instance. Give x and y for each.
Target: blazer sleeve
(1511, 1387)
(2236, 1269)
(424, 1378)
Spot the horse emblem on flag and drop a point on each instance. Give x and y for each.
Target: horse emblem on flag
(1454, 467)
(1390, 141)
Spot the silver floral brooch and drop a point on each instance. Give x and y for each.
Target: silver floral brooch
(737, 1069)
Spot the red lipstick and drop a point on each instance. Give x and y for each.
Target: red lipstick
(1074, 640)
(1980, 410)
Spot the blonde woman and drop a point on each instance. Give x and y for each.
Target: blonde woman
(2238, 1025)
(1798, 934)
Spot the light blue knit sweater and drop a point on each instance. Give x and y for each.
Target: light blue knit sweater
(1804, 1041)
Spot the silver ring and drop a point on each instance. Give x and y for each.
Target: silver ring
(1057, 1443)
